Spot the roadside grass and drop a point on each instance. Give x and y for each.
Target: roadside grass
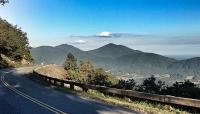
(141, 106)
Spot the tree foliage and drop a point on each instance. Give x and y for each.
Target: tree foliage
(101, 77)
(71, 62)
(150, 85)
(180, 89)
(86, 73)
(13, 42)
(126, 84)
(183, 89)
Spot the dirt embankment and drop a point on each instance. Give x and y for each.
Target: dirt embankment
(53, 71)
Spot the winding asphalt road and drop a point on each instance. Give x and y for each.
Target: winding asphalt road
(20, 95)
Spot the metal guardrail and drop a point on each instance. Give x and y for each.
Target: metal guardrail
(147, 96)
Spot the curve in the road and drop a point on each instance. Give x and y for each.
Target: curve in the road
(42, 104)
(16, 88)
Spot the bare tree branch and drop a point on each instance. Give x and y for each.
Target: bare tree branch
(3, 2)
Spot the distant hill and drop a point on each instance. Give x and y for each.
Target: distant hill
(119, 58)
(58, 54)
(182, 57)
(144, 63)
(190, 67)
(113, 51)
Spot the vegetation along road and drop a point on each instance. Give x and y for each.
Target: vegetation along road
(20, 95)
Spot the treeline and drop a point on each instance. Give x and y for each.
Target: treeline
(84, 72)
(180, 89)
(13, 43)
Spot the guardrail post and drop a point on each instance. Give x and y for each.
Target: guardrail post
(55, 82)
(45, 78)
(39, 76)
(71, 86)
(84, 89)
(61, 84)
(50, 81)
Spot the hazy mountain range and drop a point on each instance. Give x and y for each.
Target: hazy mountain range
(122, 60)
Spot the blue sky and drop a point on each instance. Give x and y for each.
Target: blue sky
(168, 26)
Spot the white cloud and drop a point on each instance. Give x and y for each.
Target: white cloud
(80, 42)
(105, 34)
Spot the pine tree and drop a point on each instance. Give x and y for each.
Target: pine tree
(71, 62)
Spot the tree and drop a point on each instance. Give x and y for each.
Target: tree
(128, 84)
(71, 62)
(183, 89)
(121, 84)
(86, 71)
(73, 75)
(101, 78)
(71, 66)
(86, 67)
(149, 85)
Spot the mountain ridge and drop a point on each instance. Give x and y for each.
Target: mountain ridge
(112, 50)
(120, 59)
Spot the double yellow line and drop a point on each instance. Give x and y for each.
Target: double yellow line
(44, 105)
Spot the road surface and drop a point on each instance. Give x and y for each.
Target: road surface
(20, 95)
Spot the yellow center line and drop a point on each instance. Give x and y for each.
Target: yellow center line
(44, 105)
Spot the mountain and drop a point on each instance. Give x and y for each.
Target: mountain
(58, 54)
(182, 57)
(122, 60)
(144, 63)
(113, 51)
(189, 67)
